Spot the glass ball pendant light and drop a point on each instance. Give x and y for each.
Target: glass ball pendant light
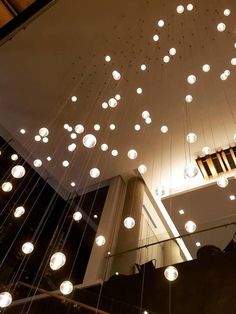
(57, 260)
(190, 226)
(190, 171)
(171, 273)
(66, 287)
(100, 240)
(222, 182)
(129, 223)
(89, 140)
(18, 172)
(19, 211)
(5, 299)
(27, 248)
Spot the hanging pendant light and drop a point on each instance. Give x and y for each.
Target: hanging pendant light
(66, 287)
(129, 223)
(57, 260)
(5, 299)
(171, 273)
(18, 172)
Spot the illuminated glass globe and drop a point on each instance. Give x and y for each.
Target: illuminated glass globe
(223, 77)
(190, 226)
(227, 72)
(5, 299)
(104, 147)
(14, 157)
(222, 182)
(74, 98)
(132, 154)
(7, 187)
(143, 67)
(107, 58)
(137, 127)
(27, 248)
(145, 114)
(100, 240)
(73, 136)
(45, 140)
(129, 222)
(148, 120)
(37, 138)
(96, 127)
(112, 126)
(19, 211)
(77, 216)
(160, 23)
(155, 37)
(206, 150)
(66, 287)
(233, 61)
(18, 172)
(180, 9)
(43, 132)
(72, 147)
(166, 59)
(189, 7)
(221, 27)
(171, 273)
(160, 191)
(191, 138)
(172, 51)
(164, 129)
(22, 131)
(189, 98)
(114, 152)
(79, 129)
(117, 97)
(142, 169)
(65, 163)
(206, 68)
(104, 105)
(226, 12)
(116, 75)
(190, 171)
(57, 260)
(139, 91)
(112, 102)
(37, 163)
(94, 173)
(191, 79)
(89, 141)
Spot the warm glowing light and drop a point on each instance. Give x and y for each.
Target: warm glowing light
(107, 58)
(22, 131)
(14, 157)
(223, 77)
(100, 240)
(222, 182)
(181, 212)
(137, 127)
(232, 197)
(206, 68)
(191, 138)
(198, 244)
(148, 120)
(189, 7)
(190, 226)
(66, 287)
(57, 260)
(114, 152)
(79, 129)
(160, 23)
(221, 27)
(43, 132)
(112, 102)
(233, 61)
(206, 150)
(27, 248)
(104, 105)
(142, 169)
(226, 12)
(191, 79)
(77, 216)
(89, 140)
(7, 187)
(129, 222)
(72, 147)
(5, 299)
(164, 129)
(172, 51)
(155, 37)
(143, 67)
(180, 9)
(74, 98)
(96, 127)
(145, 114)
(73, 184)
(190, 171)
(132, 154)
(171, 273)
(65, 163)
(19, 211)
(66, 126)
(49, 158)
(118, 97)
(18, 172)
(189, 98)
(139, 91)
(116, 75)
(94, 173)
(112, 126)
(104, 147)
(166, 59)
(73, 136)
(45, 140)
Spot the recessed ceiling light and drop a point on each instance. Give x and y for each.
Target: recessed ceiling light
(112, 102)
(166, 59)
(139, 91)
(112, 126)
(172, 51)
(107, 58)
(132, 154)
(22, 131)
(191, 138)
(104, 147)
(114, 152)
(37, 163)
(74, 98)
(189, 98)
(79, 129)
(148, 120)
(94, 173)
(137, 127)
(89, 140)
(96, 127)
(160, 23)
(104, 105)
(226, 12)
(206, 68)
(37, 138)
(155, 37)
(181, 212)
(198, 244)
(73, 184)
(191, 79)
(190, 7)
(190, 226)
(142, 169)
(116, 75)
(180, 9)
(221, 27)
(143, 67)
(232, 197)
(65, 163)
(164, 129)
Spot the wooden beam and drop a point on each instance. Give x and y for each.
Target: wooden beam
(62, 298)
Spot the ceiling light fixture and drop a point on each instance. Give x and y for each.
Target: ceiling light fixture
(171, 273)
(129, 223)
(190, 226)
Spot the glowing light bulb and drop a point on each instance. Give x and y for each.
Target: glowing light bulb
(222, 182)
(233, 61)
(190, 171)
(112, 126)
(96, 127)
(77, 216)
(57, 260)
(171, 273)
(49, 158)
(73, 136)
(66, 126)
(160, 23)
(227, 72)
(112, 102)
(104, 105)
(223, 77)
(69, 129)
(7, 187)
(19, 211)
(114, 152)
(107, 58)
(206, 68)
(139, 91)
(72, 147)
(129, 222)
(118, 97)
(14, 157)
(66, 287)
(22, 131)
(73, 184)
(74, 98)
(94, 173)
(132, 154)
(116, 75)
(100, 240)
(190, 226)
(5, 299)
(143, 67)
(189, 98)
(191, 79)
(142, 169)
(45, 140)
(172, 51)
(166, 59)
(155, 38)
(65, 163)
(18, 172)
(206, 150)
(43, 132)
(27, 248)
(79, 129)
(180, 9)
(137, 127)
(104, 147)
(191, 138)
(148, 120)
(221, 27)
(226, 12)
(189, 7)
(164, 129)
(89, 141)
(145, 114)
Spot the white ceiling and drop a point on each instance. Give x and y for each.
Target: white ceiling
(61, 53)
